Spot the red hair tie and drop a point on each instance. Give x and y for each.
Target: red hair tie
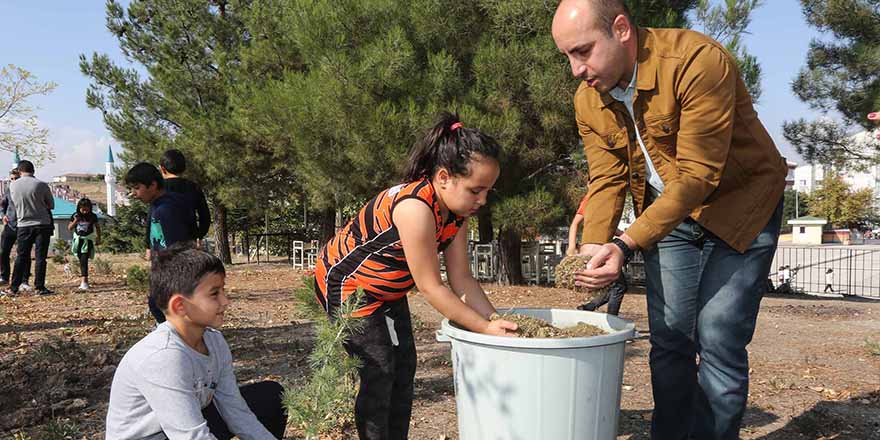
(455, 126)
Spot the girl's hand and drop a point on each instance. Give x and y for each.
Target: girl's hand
(501, 328)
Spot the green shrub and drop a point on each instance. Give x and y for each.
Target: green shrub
(137, 278)
(102, 266)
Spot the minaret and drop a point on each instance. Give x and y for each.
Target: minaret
(15, 159)
(110, 180)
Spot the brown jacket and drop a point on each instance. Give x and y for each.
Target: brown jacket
(718, 163)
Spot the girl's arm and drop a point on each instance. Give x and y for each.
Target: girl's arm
(72, 223)
(415, 223)
(572, 234)
(461, 279)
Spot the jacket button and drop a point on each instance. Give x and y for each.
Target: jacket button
(635, 175)
(665, 128)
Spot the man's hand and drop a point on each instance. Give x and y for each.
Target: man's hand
(5, 220)
(501, 328)
(148, 254)
(603, 268)
(589, 249)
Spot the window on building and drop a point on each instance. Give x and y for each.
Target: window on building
(803, 230)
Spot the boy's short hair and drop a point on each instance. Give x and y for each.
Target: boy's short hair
(174, 162)
(145, 174)
(179, 269)
(26, 166)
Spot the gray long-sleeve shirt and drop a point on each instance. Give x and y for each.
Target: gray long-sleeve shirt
(33, 201)
(162, 384)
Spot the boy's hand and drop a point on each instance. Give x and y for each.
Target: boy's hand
(501, 328)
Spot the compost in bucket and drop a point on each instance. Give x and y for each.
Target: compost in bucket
(531, 327)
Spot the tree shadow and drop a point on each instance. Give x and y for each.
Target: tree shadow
(855, 419)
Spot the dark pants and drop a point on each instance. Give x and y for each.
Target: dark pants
(613, 296)
(264, 400)
(83, 265)
(703, 298)
(37, 238)
(7, 241)
(384, 401)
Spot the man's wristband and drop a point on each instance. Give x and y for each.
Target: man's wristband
(627, 252)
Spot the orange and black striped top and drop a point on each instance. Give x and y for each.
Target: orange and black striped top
(367, 252)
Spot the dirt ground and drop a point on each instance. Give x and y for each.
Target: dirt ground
(815, 363)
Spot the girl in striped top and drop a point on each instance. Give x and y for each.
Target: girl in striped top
(393, 245)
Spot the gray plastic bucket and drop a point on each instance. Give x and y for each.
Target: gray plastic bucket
(535, 389)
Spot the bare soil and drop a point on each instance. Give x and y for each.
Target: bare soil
(815, 362)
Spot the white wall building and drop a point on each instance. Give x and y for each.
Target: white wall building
(809, 177)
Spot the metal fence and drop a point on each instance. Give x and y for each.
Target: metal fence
(539, 260)
(854, 270)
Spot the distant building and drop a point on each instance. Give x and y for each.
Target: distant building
(78, 177)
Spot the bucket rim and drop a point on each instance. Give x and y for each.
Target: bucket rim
(620, 330)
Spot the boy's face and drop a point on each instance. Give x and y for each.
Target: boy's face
(208, 302)
(145, 193)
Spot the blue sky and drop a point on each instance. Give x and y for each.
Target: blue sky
(46, 38)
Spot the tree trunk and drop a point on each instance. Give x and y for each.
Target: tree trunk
(328, 224)
(221, 233)
(510, 246)
(484, 226)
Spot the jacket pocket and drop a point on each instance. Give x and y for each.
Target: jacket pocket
(663, 132)
(614, 139)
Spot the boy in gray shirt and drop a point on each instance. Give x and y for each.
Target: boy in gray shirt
(177, 382)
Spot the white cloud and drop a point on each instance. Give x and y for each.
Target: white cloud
(76, 150)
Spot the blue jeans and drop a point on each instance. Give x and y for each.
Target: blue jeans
(703, 298)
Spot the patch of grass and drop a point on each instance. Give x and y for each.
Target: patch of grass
(102, 266)
(61, 429)
(137, 278)
(873, 347)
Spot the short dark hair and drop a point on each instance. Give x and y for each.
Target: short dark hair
(607, 10)
(26, 166)
(179, 270)
(145, 174)
(174, 162)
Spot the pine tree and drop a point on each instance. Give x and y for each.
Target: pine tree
(325, 400)
(841, 77)
(126, 233)
(190, 52)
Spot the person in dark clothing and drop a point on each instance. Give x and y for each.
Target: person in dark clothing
(86, 236)
(9, 235)
(172, 165)
(170, 219)
(613, 296)
(33, 209)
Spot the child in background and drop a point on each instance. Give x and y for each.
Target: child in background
(86, 236)
(171, 216)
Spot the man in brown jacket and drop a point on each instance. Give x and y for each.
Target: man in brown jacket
(665, 114)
